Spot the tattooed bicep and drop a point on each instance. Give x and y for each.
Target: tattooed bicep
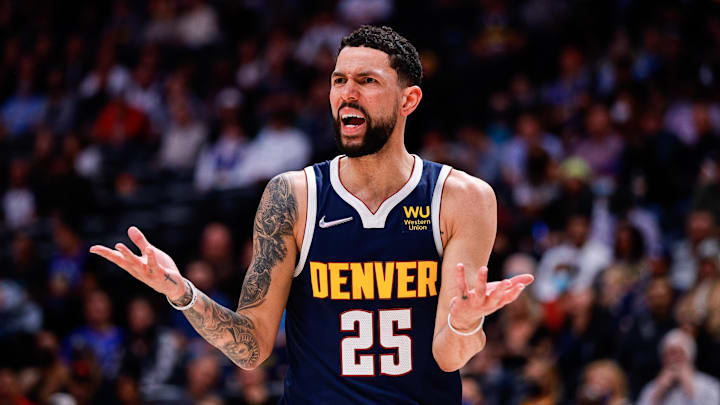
(278, 208)
(274, 222)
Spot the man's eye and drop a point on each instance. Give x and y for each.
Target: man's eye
(370, 80)
(339, 80)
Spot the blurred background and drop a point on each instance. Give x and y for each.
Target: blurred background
(596, 122)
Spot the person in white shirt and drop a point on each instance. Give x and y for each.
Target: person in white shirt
(678, 383)
(278, 147)
(573, 264)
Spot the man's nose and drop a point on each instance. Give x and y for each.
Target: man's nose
(349, 91)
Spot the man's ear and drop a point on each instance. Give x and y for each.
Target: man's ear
(411, 97)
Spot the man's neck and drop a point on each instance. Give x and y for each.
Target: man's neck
(374, 178)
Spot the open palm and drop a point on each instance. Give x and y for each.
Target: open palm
(469, 306)
(154, 267)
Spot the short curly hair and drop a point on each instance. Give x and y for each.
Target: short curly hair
(404, 57)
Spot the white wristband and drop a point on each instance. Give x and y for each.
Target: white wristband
(192, 300)
(472, 332)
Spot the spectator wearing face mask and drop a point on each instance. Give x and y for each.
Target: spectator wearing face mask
(573, 264)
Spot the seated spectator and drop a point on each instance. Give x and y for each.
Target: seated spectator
(574, 194)
(183, 138)
(471, 392)
(622, 209)
(629, 249)
(614, 285)
(60, 111)
(587, 335)
(477, 154)
(697, 301)
(203, 376)
(573, 264)
(48, 373)
(25, 266)
(144, 92)
(538, 187)
(678, 382)
(219, 165)
(18, 313)
(127, 391)
(18, 202)
(24, 110)
(637, 347)
(278, 147)
(566, 92)
(99, 337)
(152, 350)
(216, 249)
(604, 383)
(67, 263)
(119, 122)
(602, 146)
(198, 25)
(107, 78)
(10, 392)
(542, 383)
(529, 134)
(700, 226)
(252, 387)
(707, 195)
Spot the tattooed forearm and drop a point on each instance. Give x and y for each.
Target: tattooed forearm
(229, 331)
(234, 332)
(274, 221)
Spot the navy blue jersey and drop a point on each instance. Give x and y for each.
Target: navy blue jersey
(361, 312)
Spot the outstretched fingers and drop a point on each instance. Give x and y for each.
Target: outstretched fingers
(129, 256)
(512, 294)
(496, 297)
(523, 279)
(111, 255)
(152, 259)
(481, 287)
(460, 281)
(138, 238)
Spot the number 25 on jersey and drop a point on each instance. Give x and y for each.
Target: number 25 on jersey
(362, 322)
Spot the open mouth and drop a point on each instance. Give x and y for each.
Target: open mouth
(351, 121)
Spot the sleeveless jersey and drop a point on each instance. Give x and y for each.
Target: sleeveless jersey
(360, 316)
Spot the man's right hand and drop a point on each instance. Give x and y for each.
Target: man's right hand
(154, 268)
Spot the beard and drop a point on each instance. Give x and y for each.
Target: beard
(375, 137)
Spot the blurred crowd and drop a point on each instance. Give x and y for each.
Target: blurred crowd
(596, 122)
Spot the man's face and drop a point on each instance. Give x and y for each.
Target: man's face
(364, 98)
(674, 355)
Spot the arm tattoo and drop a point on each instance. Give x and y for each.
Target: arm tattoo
(231, 332)
(274, 220)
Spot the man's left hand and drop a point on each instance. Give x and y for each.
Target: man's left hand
(469, 306)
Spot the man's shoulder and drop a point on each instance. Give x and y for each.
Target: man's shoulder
(467, 189)
(293, 178)
(468, 203)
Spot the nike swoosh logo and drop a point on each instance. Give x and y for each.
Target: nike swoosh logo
(328, 224)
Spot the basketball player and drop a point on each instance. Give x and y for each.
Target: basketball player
(368, 253)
